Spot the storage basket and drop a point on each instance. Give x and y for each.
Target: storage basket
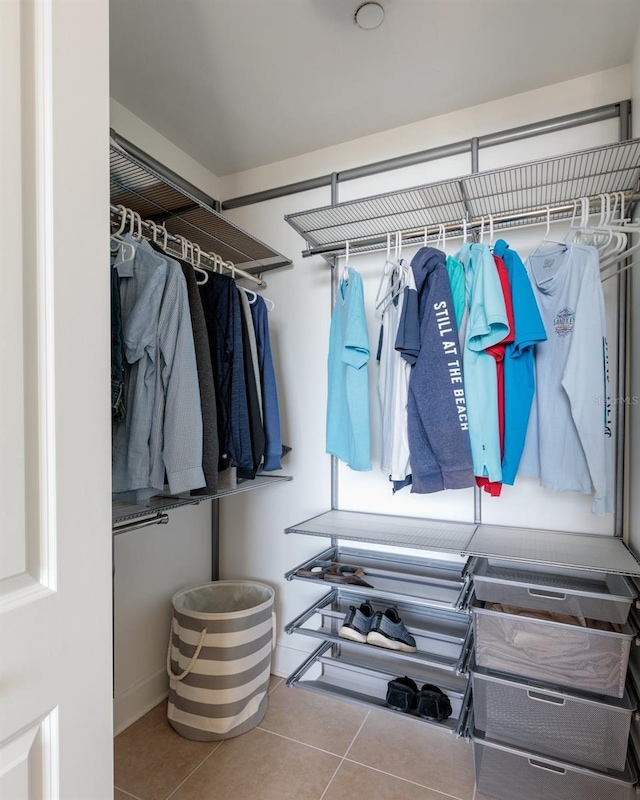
(219, 658)
(503, 773)
(583, 659)
(581, 594)
(588, 731)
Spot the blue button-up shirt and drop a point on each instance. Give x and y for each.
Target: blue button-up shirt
(163, 429)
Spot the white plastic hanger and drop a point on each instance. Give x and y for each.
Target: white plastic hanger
(465, 231)
(197, 265)
(345, 271)
(386, 269)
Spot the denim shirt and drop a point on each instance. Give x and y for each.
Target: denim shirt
(163, 429)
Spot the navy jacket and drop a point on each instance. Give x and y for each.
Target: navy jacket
(438, 427)
(221, 308)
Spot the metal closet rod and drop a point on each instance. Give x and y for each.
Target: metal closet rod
(158, 519)
(148, 227)
(418, 233)
(471, 145)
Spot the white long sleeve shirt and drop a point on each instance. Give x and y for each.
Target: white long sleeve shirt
(569, 438)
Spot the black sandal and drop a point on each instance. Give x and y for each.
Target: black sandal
(402, 694)
(433, 703)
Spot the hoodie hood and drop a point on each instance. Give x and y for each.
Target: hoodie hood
(424, 263)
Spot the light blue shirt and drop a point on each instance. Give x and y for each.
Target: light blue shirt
(487, 325)
(348, 434)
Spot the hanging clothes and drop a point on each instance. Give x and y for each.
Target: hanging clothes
(273, 449)
(162, 432)
(393, 376)
(221, 307)
(519, 377)
(455, 271)
(253, 346)
(498, 351)
(210, 446)
(486, 326)
(568, 445)
(252, 388)
(408, 346)
(347, 433)
(437, 411)
(118, 356)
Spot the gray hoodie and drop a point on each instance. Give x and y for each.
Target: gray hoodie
(438, 425)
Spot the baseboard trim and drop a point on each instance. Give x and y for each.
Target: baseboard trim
(138, 699)
(286, 659)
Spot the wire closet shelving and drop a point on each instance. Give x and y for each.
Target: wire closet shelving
(153, 195)
(514, 196)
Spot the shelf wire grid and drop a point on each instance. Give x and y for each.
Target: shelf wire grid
(138, 187)
(511, 190)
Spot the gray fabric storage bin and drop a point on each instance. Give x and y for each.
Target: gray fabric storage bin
(585, 730)
(592, 595)
(504, 773)
(219, 658)
(582, 659)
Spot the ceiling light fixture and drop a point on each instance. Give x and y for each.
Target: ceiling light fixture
(369, 16)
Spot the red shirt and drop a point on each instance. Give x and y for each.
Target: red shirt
(497, 351)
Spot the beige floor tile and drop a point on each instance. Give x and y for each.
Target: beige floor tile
(417, 752)
(261, 766)
(319, 721)
(151, 759)
(118, 795)
(274, 681)
(355, 782)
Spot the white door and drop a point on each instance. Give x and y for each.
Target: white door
(55, 542)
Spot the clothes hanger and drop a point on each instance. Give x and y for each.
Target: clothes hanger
(399, 276)
(196, 266)
(345, 272)
(116, 236)
(386, 270)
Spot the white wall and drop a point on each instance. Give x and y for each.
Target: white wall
(153, 563)
(253, 544)
(634, 460)
(155, 144)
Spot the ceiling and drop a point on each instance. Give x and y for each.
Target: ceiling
(241, 83)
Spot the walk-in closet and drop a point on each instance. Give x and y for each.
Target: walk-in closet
(361, 519)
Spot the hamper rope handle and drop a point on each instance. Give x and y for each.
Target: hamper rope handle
(193, 659)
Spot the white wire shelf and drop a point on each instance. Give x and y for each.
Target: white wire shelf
(527, 545)
(121, 512)
(554, 182)
(154, 196)
(419, 534)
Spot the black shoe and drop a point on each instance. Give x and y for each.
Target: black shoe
(402, 694)
(433, 703)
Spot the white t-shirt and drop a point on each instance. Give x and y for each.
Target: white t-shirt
(393, 389)
(568, 442)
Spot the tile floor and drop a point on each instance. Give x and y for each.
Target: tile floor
(307, 747)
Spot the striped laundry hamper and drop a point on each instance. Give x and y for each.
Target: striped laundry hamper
(219, 658)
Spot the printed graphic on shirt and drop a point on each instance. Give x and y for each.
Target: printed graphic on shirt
(563, 322)
(453, 364)
(607, 405)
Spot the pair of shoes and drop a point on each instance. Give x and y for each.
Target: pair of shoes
(383, 630)
(334, 573)
(430, 702)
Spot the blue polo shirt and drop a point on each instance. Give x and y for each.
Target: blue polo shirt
(487, 325)
(519, 375)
